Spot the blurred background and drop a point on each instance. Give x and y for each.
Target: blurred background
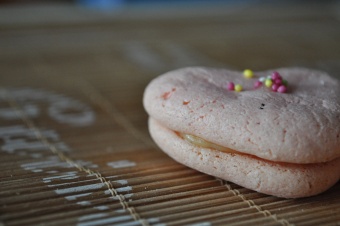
(124, 38)
(259, 34)
(115, 3)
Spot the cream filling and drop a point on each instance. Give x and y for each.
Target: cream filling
(197, 141)
(205, 144)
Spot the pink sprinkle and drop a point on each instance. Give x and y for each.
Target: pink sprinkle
(275, 87)
(257, 84)
(276, 75)
(231, 86)
(278, 81)
(282, 89)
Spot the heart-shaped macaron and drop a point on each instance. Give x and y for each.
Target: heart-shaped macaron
(280, 143)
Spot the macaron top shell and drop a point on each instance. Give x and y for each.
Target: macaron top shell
(300, 126)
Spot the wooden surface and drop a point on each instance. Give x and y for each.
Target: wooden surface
(75, 149)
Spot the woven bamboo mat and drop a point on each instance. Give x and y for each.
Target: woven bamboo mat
(75, 149)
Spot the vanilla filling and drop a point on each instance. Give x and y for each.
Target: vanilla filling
(197, 141)
(205, 144)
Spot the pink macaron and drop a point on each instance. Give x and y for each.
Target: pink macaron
(279, 143)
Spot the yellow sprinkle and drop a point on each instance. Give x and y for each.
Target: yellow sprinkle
(238, 88)
(248, 73)
(268, 83)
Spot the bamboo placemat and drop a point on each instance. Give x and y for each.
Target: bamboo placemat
(75, 149)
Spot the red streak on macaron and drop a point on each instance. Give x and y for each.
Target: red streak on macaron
(167, 95)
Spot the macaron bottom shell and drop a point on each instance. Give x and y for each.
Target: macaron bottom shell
(286, 180)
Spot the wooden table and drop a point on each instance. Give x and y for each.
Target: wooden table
(75, 149)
